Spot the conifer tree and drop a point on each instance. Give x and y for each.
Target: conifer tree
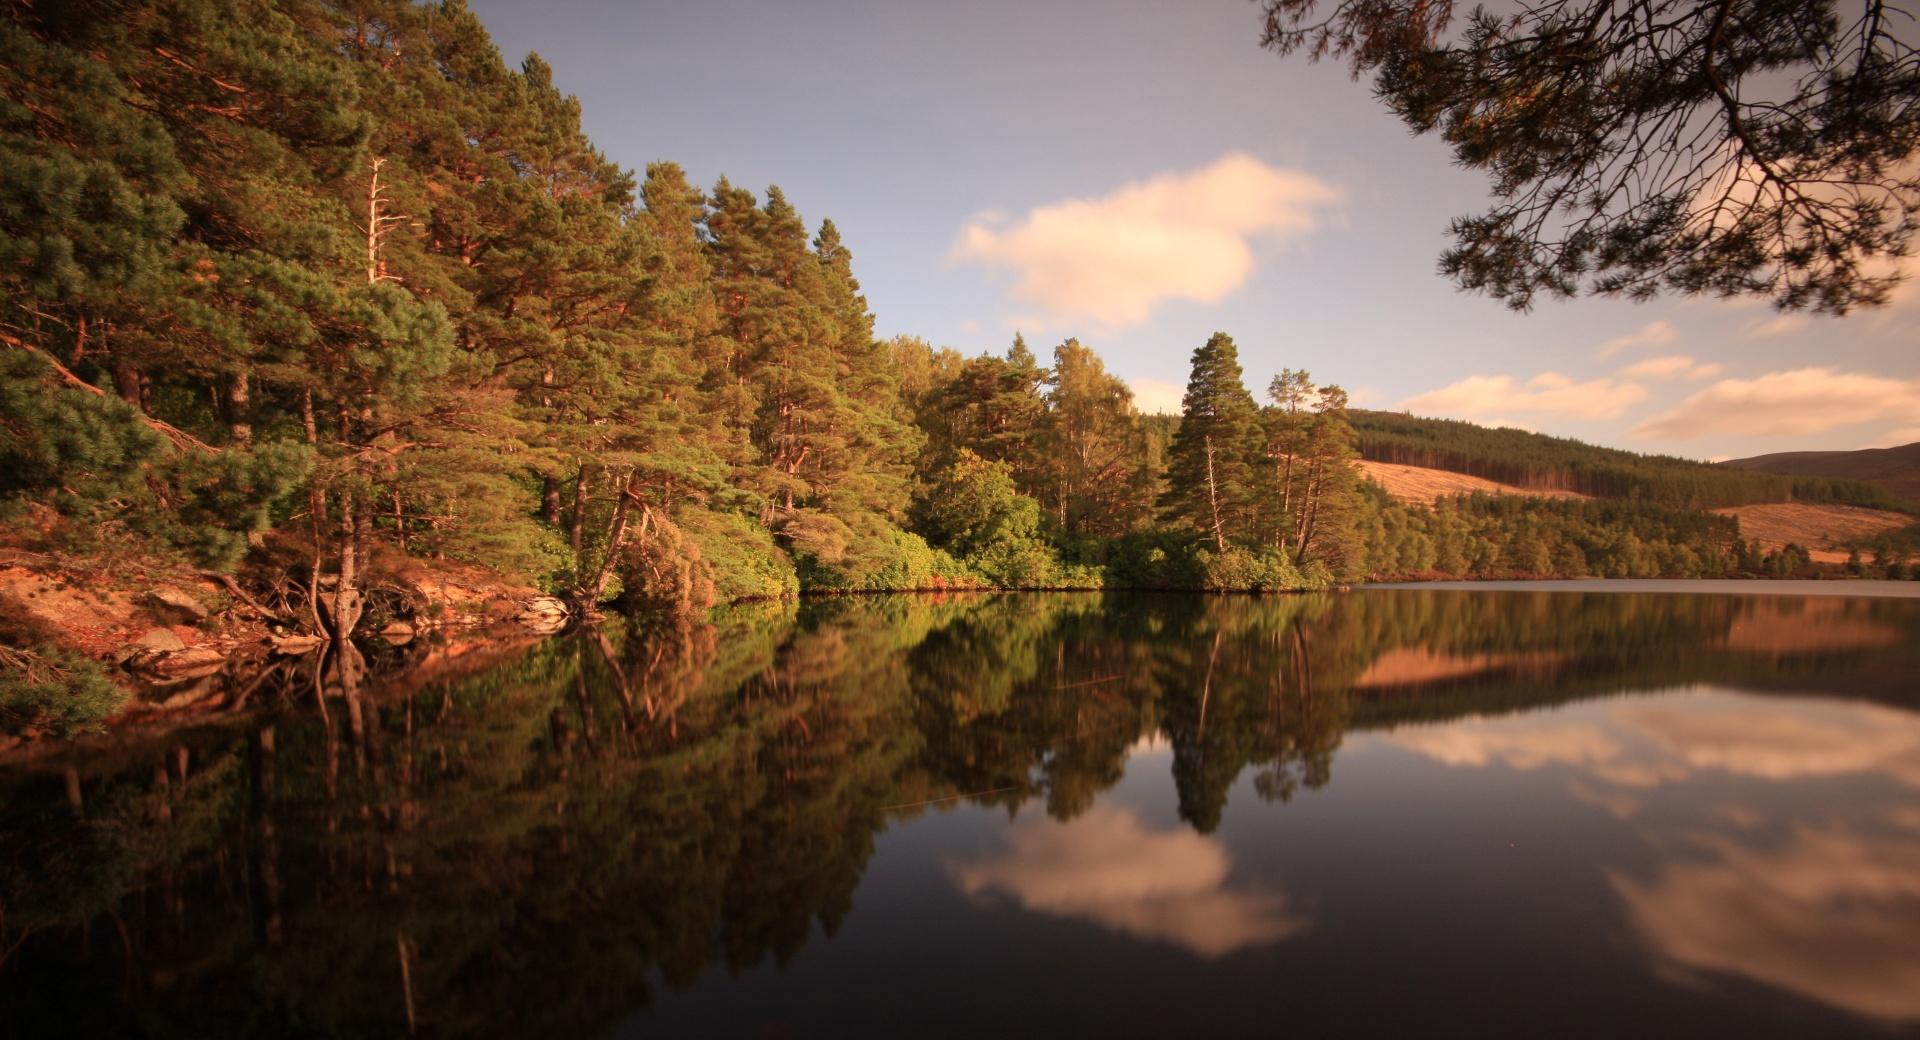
(1214, 480)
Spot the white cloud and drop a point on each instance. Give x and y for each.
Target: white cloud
(1787, 404)
(1157, 396)
(1549, 393)
(1105, 867)
(1176, 236)
(1671, 366)
(1652, 334)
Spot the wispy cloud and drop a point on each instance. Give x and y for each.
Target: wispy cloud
(1652, 334)
(1549, 393)
(1786, 404)
(1178, 236)
(1672, 366)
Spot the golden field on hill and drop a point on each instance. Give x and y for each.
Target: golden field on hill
(1425, 486)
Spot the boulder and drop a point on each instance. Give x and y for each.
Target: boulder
(175, 606)
(159, 641)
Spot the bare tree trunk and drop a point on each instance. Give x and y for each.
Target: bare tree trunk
(1213, 500)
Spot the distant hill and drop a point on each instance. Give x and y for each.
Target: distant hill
(1896, 469)
(1538, 462)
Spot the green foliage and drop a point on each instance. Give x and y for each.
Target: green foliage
(1214, 469)
(46, 688)
(1483, 536)
(868, 555)
(1240, 569)
(973, 511)
(91, 458)
(747, 564)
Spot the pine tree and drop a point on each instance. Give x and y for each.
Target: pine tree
(1214, 480)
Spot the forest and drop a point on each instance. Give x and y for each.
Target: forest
(299, 291)
(298, 287)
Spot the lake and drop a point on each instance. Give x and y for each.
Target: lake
(1495, 812)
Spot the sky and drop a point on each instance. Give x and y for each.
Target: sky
(1142, 174)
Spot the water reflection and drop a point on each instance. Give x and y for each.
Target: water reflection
(1166, 885)
(541, 839)
(1828, 913)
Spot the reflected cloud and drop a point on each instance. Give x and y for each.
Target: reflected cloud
(1106, 867)
(1788, 740)
(1833, 916)
(1646, 745)
(1482, 742)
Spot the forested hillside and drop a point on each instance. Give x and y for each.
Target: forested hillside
(1534, 460)
(1895, 469)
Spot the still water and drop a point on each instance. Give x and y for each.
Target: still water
(1493, 813)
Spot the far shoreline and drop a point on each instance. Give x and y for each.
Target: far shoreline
(1865, 588)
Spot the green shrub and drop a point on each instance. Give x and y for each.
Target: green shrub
(45, 688)
(746, 563)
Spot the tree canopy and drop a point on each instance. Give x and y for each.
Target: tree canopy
(1761, 148)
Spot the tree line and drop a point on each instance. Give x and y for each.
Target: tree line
(303, 287)
(306, 284)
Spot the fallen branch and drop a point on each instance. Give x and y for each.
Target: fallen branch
(233, 587)
(177, 437)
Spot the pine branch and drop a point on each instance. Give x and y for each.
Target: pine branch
(179, 438)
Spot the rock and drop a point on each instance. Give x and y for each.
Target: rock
(294, 645)
(397, 633)
(174, 605)
(502, 609)
(190, 662)
(543, 608)
(159, 641)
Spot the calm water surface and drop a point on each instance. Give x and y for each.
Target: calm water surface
(1500, 813)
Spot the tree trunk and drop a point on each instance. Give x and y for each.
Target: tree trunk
(239, 408)
(577, 522)
(128, 383)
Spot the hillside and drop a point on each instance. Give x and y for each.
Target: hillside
(1895, 469)
(1823, 529)
(1422, 486)
(1541, 463)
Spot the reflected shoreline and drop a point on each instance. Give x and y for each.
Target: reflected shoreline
(706, 798)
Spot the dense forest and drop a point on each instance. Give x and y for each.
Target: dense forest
(296, 290)
(299, 286)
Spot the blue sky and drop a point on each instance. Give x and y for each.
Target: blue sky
(1142, 174)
